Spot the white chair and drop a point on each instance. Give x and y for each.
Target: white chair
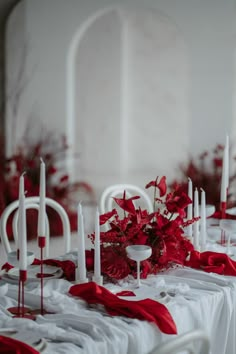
(15, 226)
(107, 202)
(187, 342)
(33, 202)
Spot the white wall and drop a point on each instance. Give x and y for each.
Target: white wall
(204, 97)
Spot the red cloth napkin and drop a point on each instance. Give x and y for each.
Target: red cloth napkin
(67, 266)
(13, 346)
(146, 309)
(217, 215)
(215, 262)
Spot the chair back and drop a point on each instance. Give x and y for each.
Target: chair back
(192, 342)
(107, 202)
(33, 203)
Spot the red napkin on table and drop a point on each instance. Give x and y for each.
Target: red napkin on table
(215, 262)
(146, 309)
(13, 346)
(67, 266)
(217, 215)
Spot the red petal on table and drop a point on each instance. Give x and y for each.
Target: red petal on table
(125, 293)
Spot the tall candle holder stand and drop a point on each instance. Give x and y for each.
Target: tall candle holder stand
(21, 310)
(223, 216)
(41, 244)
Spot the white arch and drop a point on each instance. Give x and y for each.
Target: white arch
(137, 160)
(71, 77)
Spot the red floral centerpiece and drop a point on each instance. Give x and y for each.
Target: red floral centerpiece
(162, 229)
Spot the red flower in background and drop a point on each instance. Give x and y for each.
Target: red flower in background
(161, 230)
(205, 172)
(58, 186)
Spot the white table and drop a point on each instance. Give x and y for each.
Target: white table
(201, 300)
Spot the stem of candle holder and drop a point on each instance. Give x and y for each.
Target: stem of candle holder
(19, 296)
(223, 210)
(223, 216)
(21, 310)
(138, 274)
(41, 244)
(23, 277)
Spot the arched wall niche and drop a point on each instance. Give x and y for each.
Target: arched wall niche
(127, 102)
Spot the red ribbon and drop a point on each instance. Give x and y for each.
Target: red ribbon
(13, 346)
(146, 309)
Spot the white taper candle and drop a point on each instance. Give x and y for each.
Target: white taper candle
(196, 223)
(225, 173)
(97, 246)
(42, 201)
(203, 221)
(21, 192)
(190, 209)
(81, 277)
(22, 228)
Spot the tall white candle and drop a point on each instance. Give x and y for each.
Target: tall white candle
(22, 228)
(196, 223)
(190, 208)
(227, 161)
(81, 247)
(203, 221)
(42, 201)
(225, 173)
(21, 192)
(97, 256)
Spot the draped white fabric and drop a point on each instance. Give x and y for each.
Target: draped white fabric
(194, 298)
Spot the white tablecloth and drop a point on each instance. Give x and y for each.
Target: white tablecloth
(194, 298)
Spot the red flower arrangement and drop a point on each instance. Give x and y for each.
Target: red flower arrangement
(205, 172)
(162, 229)
(58, 186)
